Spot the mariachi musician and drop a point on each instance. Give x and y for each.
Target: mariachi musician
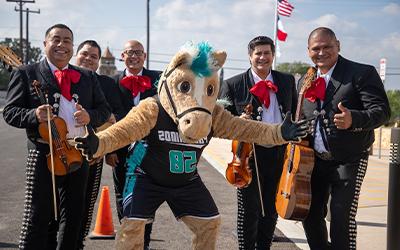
(135, 83)
(345, 103)
(272, 94)
(24, 109)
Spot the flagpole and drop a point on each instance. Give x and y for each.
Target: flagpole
(275, 31)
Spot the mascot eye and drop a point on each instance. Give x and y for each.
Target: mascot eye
(210, 90)
(184, 87)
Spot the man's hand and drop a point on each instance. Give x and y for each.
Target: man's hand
(81, 116)
(112, 119)
(89, 144)
(41, 113)
(293, 131)
(112, 160)
(343, 120)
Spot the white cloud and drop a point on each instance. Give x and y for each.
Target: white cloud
(334, 22)
(392, 42)
(226, 24)
(391, 9)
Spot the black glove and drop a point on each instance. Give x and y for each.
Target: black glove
(89, 144)
(293, 131)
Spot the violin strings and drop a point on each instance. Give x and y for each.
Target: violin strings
(56, 137)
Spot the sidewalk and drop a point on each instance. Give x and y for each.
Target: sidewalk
(372, 208)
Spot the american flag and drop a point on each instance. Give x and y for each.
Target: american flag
(284, 8)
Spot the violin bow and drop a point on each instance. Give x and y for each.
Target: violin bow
(53, 177)
(258, 182)
(258, 177)
(36, 85)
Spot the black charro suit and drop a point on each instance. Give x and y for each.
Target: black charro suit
(112, 93)
(360, 89)
(253, 228)
(39, 230)
(120, 170)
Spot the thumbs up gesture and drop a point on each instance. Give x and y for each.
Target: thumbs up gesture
(343, 120)
(81, 116)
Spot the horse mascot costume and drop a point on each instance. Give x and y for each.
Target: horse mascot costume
(175, 127)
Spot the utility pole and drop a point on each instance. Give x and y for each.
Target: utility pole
(148, 34)
(21, 2)
(27, 32)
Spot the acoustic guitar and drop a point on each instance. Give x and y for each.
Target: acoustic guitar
(293, 198)
(9, 59)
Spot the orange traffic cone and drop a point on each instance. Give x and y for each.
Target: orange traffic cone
(104, 228)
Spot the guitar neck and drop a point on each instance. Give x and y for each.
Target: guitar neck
(299, 106)
(297, 117)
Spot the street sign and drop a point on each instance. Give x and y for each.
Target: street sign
(382, 70)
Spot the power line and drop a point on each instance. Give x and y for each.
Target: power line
(21, 2)
(27, 31)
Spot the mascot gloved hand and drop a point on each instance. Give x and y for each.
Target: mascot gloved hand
(293, 131)
(88, 145)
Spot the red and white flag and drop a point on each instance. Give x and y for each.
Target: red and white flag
(284, 8)
(280, 31)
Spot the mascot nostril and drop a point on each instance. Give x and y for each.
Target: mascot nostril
(194, 126)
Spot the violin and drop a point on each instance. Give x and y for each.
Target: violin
(65, 158)
(238, 172)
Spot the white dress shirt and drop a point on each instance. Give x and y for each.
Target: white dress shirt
(66, 111)
(272, 114)
(136, 99)
(318, 142)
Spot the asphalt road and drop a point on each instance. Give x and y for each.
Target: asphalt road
(167, 232)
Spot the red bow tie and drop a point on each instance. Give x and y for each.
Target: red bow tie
(317, 90)
(64, 79)
(136, 84)
(261, 90)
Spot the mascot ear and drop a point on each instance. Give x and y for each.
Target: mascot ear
(180, 58)
(219, 59)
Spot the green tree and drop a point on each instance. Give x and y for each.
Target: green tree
(394, 101)
(35, 54)
(293, 68)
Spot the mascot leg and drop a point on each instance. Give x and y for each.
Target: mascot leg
(205, 231)
(131, 234)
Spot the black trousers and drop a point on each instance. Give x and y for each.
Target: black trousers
(119, 174)
(255, 230)
(39, 228)
(92, 192)
(341, 180)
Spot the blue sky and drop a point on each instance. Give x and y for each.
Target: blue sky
(367, 29)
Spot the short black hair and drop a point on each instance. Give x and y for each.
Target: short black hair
(60, 26)
(324, 31)
(260, 40)
(91, 43)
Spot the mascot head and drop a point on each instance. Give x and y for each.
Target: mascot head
(188, 89)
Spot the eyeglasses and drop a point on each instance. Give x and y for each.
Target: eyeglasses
(134, 52)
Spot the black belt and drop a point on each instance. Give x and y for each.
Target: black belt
(326, 156)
